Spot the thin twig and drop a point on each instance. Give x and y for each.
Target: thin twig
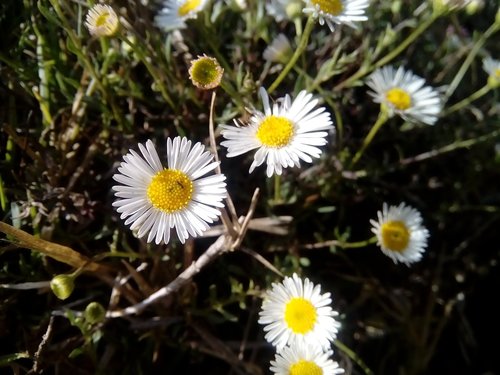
(230, 224)
(217, 248)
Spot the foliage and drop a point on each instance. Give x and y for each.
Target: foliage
(72, 105)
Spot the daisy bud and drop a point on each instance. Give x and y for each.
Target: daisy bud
(62, 286)
(94, 313)
(205, 72)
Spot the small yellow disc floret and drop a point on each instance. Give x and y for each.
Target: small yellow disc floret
(275, 131)
(303, 367)
(300, 315)
(170, 190)
(188, 6)
(333, 7)
(399, 98)
(395, 235)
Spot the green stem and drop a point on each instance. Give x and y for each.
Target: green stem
(468, 60)
(392, 54)
(381, 120)
(300, 48)
(353, 356)
(3, 197)
(409, 40)
(139, 52)
(88, 64)
(451, 147)
(464, 102)
(277, 188)
(341, 244)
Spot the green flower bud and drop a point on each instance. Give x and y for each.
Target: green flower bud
(205, 72)
(62, 286)
(94, 313)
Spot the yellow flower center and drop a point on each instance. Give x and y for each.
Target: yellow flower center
(275, 131)
(333, 7)
(395, 235)
(399, 98)
(205, 72)
(102, 19)
(170, 190)
(300, 315)
(188, 6)
(305, 368)
(496, 73)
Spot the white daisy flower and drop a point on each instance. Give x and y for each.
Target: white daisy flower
(284, 134)
(492, 67)
(174, 13)
(101, 20)
(303, 359)
(336, 12)
(405, 94)
(295, 313)
(155, 199)
(400, 233)
(284, 9)
(279, 50)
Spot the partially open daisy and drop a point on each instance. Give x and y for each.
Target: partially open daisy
(101, 20)
(284, 134)
(336, 12)
(155, 199)
(405, 94)
(174, 13)
(205, 72)
(400, 233)
(295, 312)
(304, 359)
(279, 50)
(492, 67)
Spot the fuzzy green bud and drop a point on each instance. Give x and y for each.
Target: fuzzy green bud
(94, 313)
(294, 9)
(62, 286)
(474, 6)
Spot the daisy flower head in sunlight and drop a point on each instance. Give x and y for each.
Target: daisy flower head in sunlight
(154, 199)
(284, 134)
(304, 359)
(174, 13)
(405, 94)
(295, 312)
(336, 12)
(400, 233)
(101, 20)
(492, 67)
(279, 50)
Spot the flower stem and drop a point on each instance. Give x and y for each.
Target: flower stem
(353, 356)
(391, 55)
(341, 244)
(139, 52)
(381, 120)
(464, 102)
(277, 188)
(468, 61)
(304, 39)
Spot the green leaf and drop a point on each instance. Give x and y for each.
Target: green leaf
(6, 359)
